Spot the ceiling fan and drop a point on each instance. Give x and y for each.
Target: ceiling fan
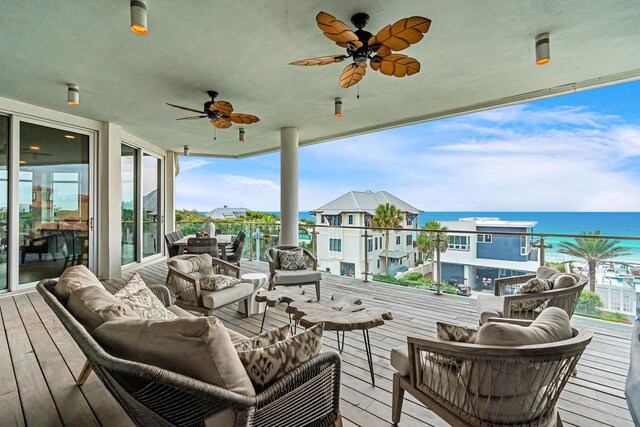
(362, 46)
(220, 113)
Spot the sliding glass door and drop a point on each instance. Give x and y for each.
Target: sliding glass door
(129, 170)
(54, 218)
(4, 200)
(151, 205)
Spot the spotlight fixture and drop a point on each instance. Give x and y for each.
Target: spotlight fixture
(186, 150)
(543, 54)
(73, 95)
(338, 107)
(70, 136)
(241, 136)
(139, 16)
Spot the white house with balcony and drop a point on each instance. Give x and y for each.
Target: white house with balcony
(341, 243)
(478, 259)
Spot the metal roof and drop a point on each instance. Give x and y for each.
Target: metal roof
(227, 213)
(395, 254)
(364, 201)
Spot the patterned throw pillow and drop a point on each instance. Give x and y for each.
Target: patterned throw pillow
(268, 364)
(216, 282)
(292, 260)
(139, 298)
(457, 333)
(533, 286)
(265, 339)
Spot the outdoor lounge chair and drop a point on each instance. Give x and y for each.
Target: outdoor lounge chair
(308, 395)
(185, 274)
(170, 238)
(487, 385)
(279, 277)
(234, 251)
(510, 304)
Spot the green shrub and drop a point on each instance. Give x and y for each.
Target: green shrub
(616, 317)
(589, 303)
(413, 276)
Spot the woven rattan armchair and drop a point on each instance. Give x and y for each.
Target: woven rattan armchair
(278, 277)
(202, 245)
(308, 395)
(489, 386)
(509, 304)
(190, 296)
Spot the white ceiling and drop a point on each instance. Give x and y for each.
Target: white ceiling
(476, 54)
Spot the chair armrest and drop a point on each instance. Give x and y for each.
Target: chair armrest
(315, 383)
(162, 292)
(228, 268)
(500, 283)
(311, 256)
(195, 283)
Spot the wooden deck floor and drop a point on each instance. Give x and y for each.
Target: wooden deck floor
(39, 361)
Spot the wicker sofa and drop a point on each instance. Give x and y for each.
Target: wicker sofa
(509, 303)
(308, 395)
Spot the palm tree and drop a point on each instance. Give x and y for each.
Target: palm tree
(387, 216)
(427, 241)
(593, 250)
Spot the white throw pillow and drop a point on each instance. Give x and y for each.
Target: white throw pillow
(139, 298)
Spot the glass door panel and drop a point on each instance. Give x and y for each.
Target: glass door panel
(53, 201)
(129, 204)
(151, 205)
(4, 199)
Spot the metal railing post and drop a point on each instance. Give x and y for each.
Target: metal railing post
(540, 245)
(250, 241)
(439, 275)
(366, 254)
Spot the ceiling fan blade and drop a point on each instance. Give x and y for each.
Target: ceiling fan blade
(396, 65)
(185, 108)
(402, 34)
(221, 123)
(223, 107)
(322, 60)
(243, 118)
(192, 118)
(336, 30)
(352, 75)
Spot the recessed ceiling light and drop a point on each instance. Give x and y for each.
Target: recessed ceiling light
(70, 136)
(34, 147)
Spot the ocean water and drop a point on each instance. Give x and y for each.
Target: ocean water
(623, 224)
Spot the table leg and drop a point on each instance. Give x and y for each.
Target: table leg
(263, 317)
(340, 343)
(367, 346)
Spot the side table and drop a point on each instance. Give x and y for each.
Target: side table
(258, 280)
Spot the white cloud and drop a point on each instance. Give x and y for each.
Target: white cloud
(189, 164)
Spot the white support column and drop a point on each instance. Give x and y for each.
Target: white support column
(289, 186)
(109, 214)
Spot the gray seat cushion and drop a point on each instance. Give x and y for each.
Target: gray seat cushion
(179, 312)
(490, 306)
(295, 277)
(93, 305)
(216, 299)
(400, 359)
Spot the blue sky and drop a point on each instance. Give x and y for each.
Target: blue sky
(577, 152)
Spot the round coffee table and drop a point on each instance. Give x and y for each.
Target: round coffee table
(258, 280)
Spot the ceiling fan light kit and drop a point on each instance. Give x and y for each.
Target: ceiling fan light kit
(338, 107)
(73, 95)
(543, 51)
(362, 46)
(139, 16)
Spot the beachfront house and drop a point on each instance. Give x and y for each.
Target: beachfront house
(481, 256)
(227, 213)
(341, 246)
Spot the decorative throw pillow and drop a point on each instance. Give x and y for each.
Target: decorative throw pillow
(536, 285)
(292, 260)
(265, 339)
(73, 278)
(457, 333)
(139, 298)
(562, 281)
(216, 282)
(268, 364)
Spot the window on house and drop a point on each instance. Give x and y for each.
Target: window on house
(376, 240)
(351, 219)
(369, 245)
(409, 240)
(397, 240)
(525, 245)
(378, 263)
(335, 245)
(485, 238)
(459, 243)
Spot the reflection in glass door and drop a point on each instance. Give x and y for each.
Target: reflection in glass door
(129, 166)
(54, 203)
(4, 199)
(151, 205)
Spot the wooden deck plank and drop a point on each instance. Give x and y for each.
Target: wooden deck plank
(11, 413)
(37, 403)
(593, 398)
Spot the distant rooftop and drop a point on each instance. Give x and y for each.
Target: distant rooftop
(364, 201)
(227, 213)
(497, 222)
